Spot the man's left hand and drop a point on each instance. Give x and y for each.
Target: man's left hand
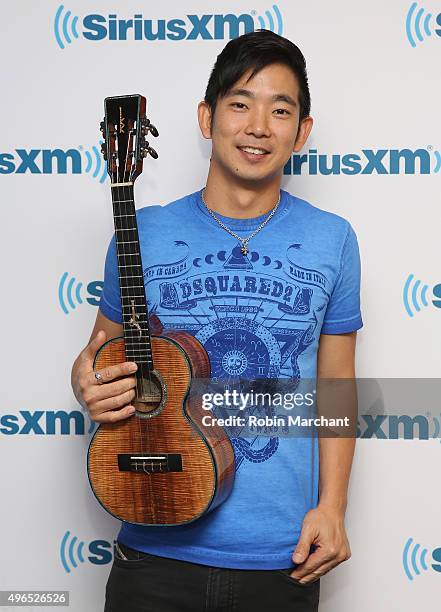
(324, 527)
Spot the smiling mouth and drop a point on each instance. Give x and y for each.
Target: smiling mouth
(254, 150)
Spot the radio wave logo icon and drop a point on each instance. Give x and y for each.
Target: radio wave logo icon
(414, 294)
(92, 424)
(413, 555)
(417, 24)
(437, 156)
(69, 292)
(94, 163)
(71, 551)
(65, 27)
(269, 21)
(437, 428)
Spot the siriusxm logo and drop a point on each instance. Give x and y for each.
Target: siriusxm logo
(54, 161)
(414, 559)
(369, 161)
(415, 295)
(393, 427)
(419, 25)
(96, 27)
(69, 293)
(72, 552)
(45, 422)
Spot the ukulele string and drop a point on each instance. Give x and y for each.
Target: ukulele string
(133, 168)
(138, 373)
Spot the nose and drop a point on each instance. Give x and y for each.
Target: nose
(258, 124)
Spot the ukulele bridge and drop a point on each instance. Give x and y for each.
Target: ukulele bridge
(150, 463)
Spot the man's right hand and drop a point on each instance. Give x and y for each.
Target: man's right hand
(108, 400)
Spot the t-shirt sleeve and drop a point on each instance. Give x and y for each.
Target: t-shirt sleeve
(343, 313)
(110, 303)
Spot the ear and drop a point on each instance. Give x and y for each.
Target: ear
(204, 118)
(303, 133)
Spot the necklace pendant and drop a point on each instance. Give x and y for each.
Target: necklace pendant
(244, 249)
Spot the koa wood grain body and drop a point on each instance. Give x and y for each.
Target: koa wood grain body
(200, 459)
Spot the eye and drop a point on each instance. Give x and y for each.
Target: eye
(239, 104)
(284, 111)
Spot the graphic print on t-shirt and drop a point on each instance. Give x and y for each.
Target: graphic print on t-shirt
(253, 314)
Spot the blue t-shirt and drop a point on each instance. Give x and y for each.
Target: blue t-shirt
(300, 278)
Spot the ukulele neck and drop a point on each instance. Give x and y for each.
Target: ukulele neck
(137, 337)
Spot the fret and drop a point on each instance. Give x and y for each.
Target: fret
(126, 297)
(128, 266)
(125, 227)
(136, 331)
(127, 241)
(145, 350)
(121, 201)
(135, 337)
(133, 275)
(142, 361)
(128, 215)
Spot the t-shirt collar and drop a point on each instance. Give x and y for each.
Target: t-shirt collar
(234, 223)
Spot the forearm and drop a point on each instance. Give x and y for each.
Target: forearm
(336, 455)
(337, 397)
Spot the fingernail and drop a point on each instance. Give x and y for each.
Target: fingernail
(133, 367)
(297, 556)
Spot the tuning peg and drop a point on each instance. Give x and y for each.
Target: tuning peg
(102, 127)
(148, 127)
(149, 151)
(104, 150)
(154, 132)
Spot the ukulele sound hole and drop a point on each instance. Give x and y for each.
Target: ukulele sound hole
(148, 392)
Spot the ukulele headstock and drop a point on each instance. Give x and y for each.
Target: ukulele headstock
(125, 128)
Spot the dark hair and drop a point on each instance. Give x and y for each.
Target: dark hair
(254, 51)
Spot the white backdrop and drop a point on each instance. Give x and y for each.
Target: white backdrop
(373, 75)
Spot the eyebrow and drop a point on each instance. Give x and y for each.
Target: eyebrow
(280, 97)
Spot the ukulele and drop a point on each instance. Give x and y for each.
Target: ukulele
(160, 466)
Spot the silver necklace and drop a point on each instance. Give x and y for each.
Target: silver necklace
(243, 241)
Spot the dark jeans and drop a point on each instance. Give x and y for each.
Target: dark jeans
(141, 582)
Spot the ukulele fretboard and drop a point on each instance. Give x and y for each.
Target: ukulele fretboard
(131, 279)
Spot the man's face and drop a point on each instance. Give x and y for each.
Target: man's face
(256, 125)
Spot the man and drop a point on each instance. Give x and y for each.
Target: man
(270, 287)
